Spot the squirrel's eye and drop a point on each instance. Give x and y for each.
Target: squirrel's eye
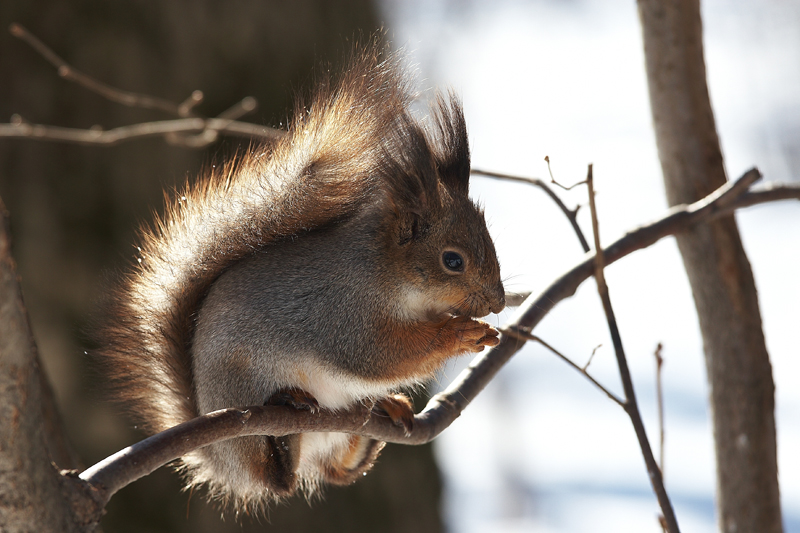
(453, 261)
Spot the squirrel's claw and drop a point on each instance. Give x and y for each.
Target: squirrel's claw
(297, 398)
(397, 407)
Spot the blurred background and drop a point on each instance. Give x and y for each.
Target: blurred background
(540, 450)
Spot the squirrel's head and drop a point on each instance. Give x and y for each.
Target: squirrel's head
(437, 236)
(452, 263)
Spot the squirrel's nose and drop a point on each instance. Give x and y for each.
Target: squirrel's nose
(498, 298)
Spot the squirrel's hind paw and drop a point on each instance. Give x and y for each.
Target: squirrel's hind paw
(297, 398)
(397, 407)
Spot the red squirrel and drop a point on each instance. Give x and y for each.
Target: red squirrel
(338, 265)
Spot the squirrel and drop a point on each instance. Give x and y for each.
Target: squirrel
(343, 263)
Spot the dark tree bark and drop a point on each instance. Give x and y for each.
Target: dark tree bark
(31, 437)
(739, 370)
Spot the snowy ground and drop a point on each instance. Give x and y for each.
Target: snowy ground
(541, 449)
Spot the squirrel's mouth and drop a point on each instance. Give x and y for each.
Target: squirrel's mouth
(469, 313)
(419, 306)
(478, 307)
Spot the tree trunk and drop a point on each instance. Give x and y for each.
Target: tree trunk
(31, 439)
(739, 370)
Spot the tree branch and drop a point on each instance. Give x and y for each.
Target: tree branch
(120, 469)
(191, 130)
(571, 214)
(582, 370)
(660, 402)
(631, 406)
(114, 136)
(106, 91)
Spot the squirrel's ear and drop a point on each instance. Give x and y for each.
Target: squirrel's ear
(451, 144)
(410, 225)
(412, 209)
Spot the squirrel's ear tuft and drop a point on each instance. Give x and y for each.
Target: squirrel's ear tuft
(408, 168)
(450, 145)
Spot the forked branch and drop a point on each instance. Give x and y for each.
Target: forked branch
(161, 128)
(66, 71)
(571, 214)
(189, 130)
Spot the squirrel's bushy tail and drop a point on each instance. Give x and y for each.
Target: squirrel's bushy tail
(320, 171)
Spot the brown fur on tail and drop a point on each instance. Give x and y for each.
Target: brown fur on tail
(320, 171)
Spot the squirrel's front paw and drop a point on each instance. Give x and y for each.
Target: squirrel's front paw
(398, 407)
(473, 335)
(297, 398)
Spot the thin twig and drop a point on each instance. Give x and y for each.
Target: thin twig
(630, 406)
(589, 362)
(515, 299)
(70, 73)
(659, 397)
(520, 334)
(660, 402)
(209, 135)
(185, 107)
(245, 106)
(554, 182)
(570, 214)
(24, 130)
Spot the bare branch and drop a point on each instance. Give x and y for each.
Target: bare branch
(572, 215)
(570, 362)
(141, 459)
(677, 219)
(114, 136)
(209, 135)
(631, 406)
(72, 74)
(769, 192)
(515, 299)
(660, 402)
(245, 106)
(191, 130)
(591, 356)
(554, 182)
(185, 108)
